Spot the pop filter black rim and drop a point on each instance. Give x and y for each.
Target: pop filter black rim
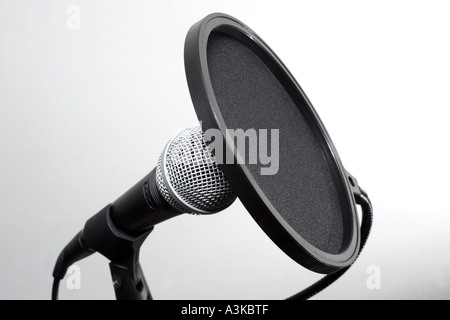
(253, 198)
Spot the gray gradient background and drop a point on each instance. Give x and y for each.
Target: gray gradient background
(85, 113)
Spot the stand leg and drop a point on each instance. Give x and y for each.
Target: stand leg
(125, 286)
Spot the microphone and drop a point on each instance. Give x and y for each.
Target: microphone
(185, 180)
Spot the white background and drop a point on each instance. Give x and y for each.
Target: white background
(84, 114)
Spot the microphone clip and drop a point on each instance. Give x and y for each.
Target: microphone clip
(101, 235)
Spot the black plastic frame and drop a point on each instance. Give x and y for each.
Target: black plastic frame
(208, 112)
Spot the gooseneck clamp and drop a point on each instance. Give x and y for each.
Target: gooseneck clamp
(366, 225)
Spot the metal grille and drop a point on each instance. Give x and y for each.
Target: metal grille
(192, 181)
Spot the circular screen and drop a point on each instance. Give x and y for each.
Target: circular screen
(285, 169)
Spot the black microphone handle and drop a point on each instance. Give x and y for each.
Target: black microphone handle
(141, 207)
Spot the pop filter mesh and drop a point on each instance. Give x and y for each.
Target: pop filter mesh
(250, 96)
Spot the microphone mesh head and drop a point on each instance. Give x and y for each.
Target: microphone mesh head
(188, 178)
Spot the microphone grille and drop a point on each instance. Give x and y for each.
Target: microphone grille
(188, 178)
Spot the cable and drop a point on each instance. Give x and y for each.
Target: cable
(75, 250)
(366, 226)
(55, 289)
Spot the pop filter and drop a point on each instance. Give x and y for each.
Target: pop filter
(308, 207)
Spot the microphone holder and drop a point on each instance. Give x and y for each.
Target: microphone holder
(123, 252)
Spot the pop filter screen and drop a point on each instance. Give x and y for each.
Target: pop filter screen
(307, 206)
(251, 97)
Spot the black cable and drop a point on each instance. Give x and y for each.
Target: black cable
(366, 226)
(75, 250)
(55, 289)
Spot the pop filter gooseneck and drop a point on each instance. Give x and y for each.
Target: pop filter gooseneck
(325, 282)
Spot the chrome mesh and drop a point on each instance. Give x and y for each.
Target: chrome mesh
(195, 182)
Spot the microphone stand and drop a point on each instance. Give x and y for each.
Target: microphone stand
(123, 252)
